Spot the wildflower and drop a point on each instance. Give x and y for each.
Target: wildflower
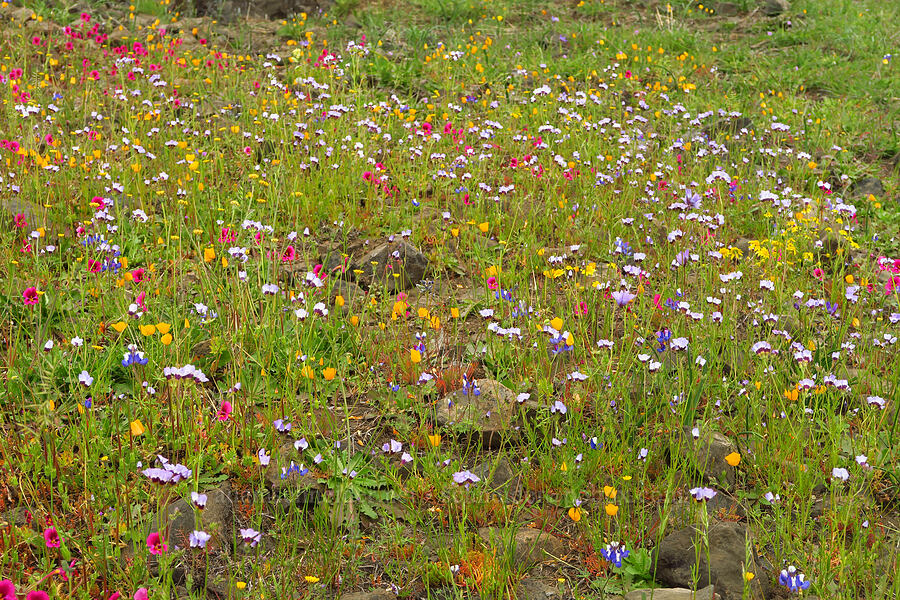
(251, 536)
(792, 579)
(558, 407)
(702, 494)
(37, 595)
(85, 379)
(141, 594)
(30, 296)
(198, 539)
(733, 459)
(51, 538)
(392, 447)
(840, 473)
(622, 298)
(465, 478)
(224, 411)
(199, 500)
(611, 509)
(614, 552)
(264, 458)
(7, 590)
(155, 544)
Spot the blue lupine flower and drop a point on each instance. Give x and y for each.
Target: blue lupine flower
(793, 579)
(614, 553)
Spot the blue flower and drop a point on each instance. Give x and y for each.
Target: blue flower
(793, 579)
(614, 553)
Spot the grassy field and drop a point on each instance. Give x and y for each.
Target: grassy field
(450, 299)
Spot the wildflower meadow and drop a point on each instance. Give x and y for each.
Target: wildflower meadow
(502, 299)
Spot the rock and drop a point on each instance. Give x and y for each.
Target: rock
(707, 455)
(773, 8)
(500, 477)
(370, 595)
(215, 519)
(531, 588)
(707, 593)
(532, 546)
(294, 490)
(676, 555)
(728, 126)
(395, 265)
(491, 414)
(727, 9)
(867, 186)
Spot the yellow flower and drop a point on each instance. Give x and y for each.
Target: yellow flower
(483, 227)
(163, 328)
(120, 326)
(434, 440)
(307, 372)
(339, 301)
(454, 312)
(354, 320)
(240, 585)
(849, 279)
(137, 428)
(612, 510)
(423, 313)
(609, 491)
(311, 579)
(329, 373)
(166, 339)
(556, 323)
(748, 576)
(415, 356)
(148, 329)
(792, 395)
(209, 254)
(733, 459)
(575, 513)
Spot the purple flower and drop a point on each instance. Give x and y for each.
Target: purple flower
(840, 473)
(264, 457)
(85, 379)
(199, 500)
(251, 536)
(558, 407)
(392, 447)
(623, 297)
(198, 539)
(465, 478)
(702, 494)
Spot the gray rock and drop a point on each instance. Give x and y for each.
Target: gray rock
(215, 519)
(707, 593)
(531, 588)
(370, 595)
(707, 455)
(491, 416)
(862, 188)
(380, 266)
(530, 546)
(773, 8)
(727, 9)
(500, 477)
(676, 556)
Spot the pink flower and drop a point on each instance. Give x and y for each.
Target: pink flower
(224, 411)
(7, 590)
(819, 274)
(156, 546)
(141, 594)
(368, 176)
(51, 538)
(19, 221)
(94, 266)
(289, 254)
(37, 595)
(138, 275)
(30, 296)
(492, 283)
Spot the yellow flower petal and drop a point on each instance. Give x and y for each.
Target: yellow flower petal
(137, 428)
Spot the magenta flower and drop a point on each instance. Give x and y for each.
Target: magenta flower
(7, 590)
(51, 538)
(30, 296)
(19, 220)
(37, 595)
(141, 594)
(155, 544)
(224, 411)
